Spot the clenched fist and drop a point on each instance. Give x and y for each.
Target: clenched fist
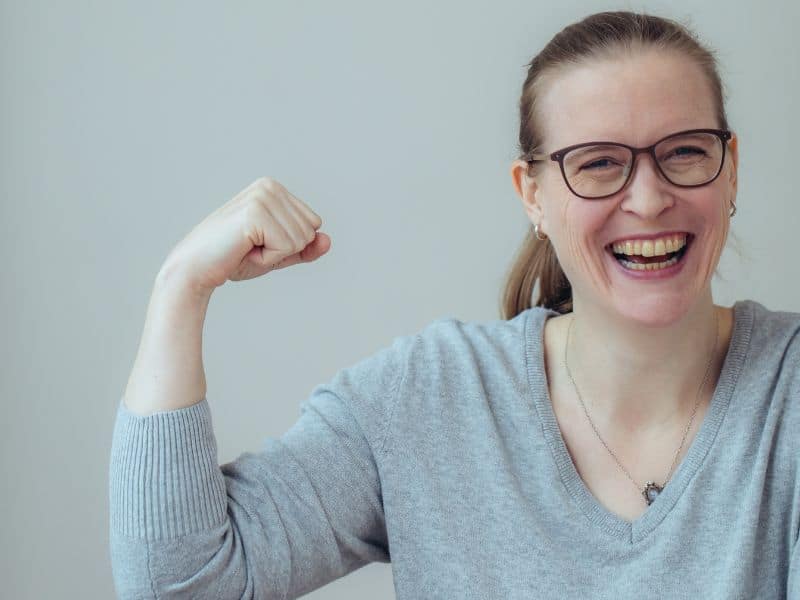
(263, 228)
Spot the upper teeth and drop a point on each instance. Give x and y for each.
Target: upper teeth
(656, 247)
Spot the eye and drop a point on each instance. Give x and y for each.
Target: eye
(599, 164)
(686, 151)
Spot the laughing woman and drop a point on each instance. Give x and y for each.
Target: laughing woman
(615, 434)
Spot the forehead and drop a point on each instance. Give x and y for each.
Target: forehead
(634, 98)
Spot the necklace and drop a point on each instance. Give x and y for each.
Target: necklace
(651, 490)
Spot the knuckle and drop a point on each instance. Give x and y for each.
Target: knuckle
(254, 211)
(267, 184)
(254, 203)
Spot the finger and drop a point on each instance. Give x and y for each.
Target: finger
(304, 209)
(291, 233)
(302, 222)
(318, 247)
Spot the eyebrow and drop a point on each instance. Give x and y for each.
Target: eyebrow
(600, 146)
(610, 139)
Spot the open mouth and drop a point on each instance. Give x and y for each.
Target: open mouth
(637, 262)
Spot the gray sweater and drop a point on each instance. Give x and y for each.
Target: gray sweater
(441, 453)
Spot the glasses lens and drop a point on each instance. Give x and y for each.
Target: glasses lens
(597, 170)
(690, 159)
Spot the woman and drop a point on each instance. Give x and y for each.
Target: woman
(622, 436)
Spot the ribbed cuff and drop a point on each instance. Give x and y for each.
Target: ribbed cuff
(164, 479)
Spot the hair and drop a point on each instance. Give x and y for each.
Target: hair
(598, 35)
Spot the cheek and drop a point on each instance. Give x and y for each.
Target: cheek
(717, 226)
(579, 252)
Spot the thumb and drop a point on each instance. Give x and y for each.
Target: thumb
(316, 248)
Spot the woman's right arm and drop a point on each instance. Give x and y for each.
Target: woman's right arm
(307, 508)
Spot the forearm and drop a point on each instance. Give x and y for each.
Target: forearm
(168, 371)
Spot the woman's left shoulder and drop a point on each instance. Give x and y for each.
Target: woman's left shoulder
(770, 327)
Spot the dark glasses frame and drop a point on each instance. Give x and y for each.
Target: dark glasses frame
(558, 156)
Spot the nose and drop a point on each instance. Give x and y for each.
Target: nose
(647, 194)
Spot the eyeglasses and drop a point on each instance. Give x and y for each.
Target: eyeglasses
(595, 170)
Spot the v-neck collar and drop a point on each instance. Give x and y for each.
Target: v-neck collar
(597, 513)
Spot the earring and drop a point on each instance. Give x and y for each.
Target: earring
(733, 209)
(536, 231)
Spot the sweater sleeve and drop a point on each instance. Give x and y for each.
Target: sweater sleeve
(304, 510)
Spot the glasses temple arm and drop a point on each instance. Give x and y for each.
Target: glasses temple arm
(537, 157)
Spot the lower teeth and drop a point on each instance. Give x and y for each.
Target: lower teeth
(648, 266)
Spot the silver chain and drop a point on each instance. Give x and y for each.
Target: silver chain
(691, 420)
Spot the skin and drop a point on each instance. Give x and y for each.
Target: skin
(638, 349)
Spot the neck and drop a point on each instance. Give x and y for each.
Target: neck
(645, 378)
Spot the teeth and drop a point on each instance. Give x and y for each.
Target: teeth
(648, 266)
(658, 247)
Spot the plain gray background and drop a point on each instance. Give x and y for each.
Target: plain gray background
(124, 124)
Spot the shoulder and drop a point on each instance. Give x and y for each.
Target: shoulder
(447, 343)
(772, 334)
(768, 344)
(771, 375)
(450, 335)
(451, 349)
(771, 321)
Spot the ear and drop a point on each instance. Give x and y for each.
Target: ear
(528, 190)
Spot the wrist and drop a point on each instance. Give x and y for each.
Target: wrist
(171, 281)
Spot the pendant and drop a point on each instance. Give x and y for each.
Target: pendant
(651, 491)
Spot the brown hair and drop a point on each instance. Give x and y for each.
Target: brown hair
(600, 34)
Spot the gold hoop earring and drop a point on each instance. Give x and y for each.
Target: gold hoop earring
(536, 231)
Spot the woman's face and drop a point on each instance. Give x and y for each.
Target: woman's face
(636, 100)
